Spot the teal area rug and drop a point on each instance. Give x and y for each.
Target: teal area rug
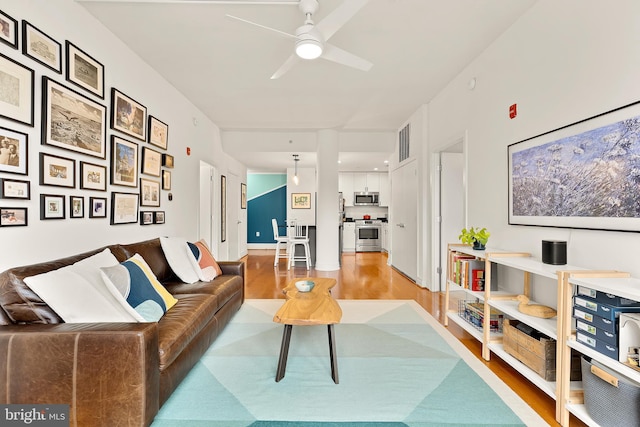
(397, 367)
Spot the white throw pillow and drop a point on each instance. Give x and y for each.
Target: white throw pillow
(78, 294)
(179, 258)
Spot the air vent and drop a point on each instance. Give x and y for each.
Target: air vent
(403, 151)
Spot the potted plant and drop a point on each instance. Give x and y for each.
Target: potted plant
(476, 237)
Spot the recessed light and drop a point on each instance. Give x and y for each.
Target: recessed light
(375, 169)
(386, 161)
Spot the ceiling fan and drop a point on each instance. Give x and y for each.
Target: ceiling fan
(311, 38)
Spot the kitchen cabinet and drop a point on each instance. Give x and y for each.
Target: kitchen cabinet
(349, 237)
(345, 185)
(385, 190)
(366, 182)
(385, 237)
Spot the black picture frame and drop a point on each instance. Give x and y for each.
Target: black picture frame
(166, 180)
(12, 144)
(93, 177)
(83, 70)
(243, 195)
(151, 161)
(15, 189)
(97, 207)
(40, 47)
(124, 208)
(8, 30)
(128, 115)
(14, 217)
(52, 206)
(20, 107)
(579, 175)
(72, 121)
(124, 162)
(57, 171)
(146, 217)
(158, 133)
(167, 161)
(76, 207)
(158, 217)
(149, 192)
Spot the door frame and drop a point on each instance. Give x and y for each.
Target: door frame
(438, 264)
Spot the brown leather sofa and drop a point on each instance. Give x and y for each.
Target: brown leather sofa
(111, 374)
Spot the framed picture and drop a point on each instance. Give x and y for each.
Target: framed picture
(72, 121)
(124, 208)
(166, 180)
(158, 133)
(158, 217)
(146, 217)
(124, 162)
(84, 71)
(151, 161)
(9, 30)
(51, 206)
(13, 217)
(149, 192)
(16, 99)
(14, 150)
(167, 161)
(583, 175)
(57, 171)
(127, 115)
(97, 207)
(76, 207)
(223, 208)
(14, 189)
(300, 200)
(93, 177)
(41, 48)
(243, 195)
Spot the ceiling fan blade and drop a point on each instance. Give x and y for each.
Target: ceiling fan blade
(262, 26)
(343, 57)
(288, 64)
(339, 16)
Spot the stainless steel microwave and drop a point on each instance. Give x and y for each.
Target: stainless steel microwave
(365, 199)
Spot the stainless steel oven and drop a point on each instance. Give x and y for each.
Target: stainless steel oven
(368, 235)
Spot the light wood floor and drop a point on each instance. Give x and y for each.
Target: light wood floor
(367, 276)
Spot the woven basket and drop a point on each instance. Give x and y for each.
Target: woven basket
(607, 404)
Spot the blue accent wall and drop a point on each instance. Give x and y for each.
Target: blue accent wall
(268, 200)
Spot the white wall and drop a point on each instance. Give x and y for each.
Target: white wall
(561, 62)
(46, 240)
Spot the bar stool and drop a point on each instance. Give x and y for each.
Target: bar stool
(299, 236)
(279, 239)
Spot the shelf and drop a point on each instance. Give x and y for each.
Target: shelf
(580, 412)
(510, 308)
(454, 287)
(532, 265)
(626, 287)
(468, 327)
(605, 360)
(549, 387)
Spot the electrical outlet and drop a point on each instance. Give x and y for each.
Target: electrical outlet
(257, 234)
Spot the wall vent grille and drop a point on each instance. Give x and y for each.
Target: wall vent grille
(403, 152)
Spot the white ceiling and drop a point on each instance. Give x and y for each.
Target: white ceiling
(224, 66)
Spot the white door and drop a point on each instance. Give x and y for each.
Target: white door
(452, 205)
(207, 220)
(404, 219)
(233, 218)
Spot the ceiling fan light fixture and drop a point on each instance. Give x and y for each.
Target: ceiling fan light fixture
(308, 48)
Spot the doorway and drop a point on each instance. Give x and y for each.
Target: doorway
(404, 215)
(450, 202)
(206, 212)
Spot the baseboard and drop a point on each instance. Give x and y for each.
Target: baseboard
(261, 246)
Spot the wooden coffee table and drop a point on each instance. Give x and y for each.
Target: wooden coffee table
(316, 307)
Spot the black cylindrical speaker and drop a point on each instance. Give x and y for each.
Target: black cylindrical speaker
(554, 252)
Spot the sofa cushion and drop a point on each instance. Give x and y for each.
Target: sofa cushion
(203, 261)
(223, 287)
(179, 258)
(132, 279)
(176, 330)
(77, 292)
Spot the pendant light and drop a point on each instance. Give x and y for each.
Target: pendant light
(295, 168)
